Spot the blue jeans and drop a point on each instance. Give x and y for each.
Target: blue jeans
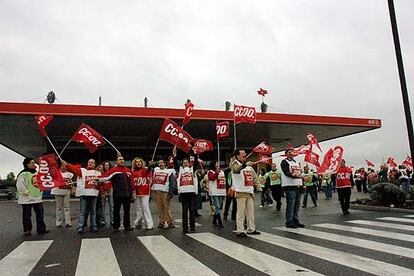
(312, 192)
(218, 204)
(292, 205)
(111, 208)
(87, 207)
(328, 191)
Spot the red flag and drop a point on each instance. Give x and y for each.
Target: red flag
(312, 158)
(188, 112)
(263, 149)
(42, 121)
(202, 145)
(174, 134)
(222, 129)
(391, 162)
(369, 163)
(264, 159)
(49, 175)
(262, 92)
(408, 162)
(332, 160)
(244, 114)
(90, 137)
(312, 140)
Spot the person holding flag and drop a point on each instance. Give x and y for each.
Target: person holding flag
(344, 182)
(29, 196)
(292, 184)
(62, 197)
(216, 190)
(163, 183)
(244, 178)
(141, 185)
(87, 191)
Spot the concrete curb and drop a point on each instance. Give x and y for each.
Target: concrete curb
(380, 208)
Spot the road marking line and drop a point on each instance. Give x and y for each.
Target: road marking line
(335, 256)
(22, 260)
(385, 225)
(373, 245)
(97, 257)
(256, 259)
(410, 216)
(173, 259)
(368, 231)
(397, 219)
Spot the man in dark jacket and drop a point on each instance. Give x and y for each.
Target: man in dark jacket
(120, 177)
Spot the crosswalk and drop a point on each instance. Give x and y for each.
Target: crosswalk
(357, 246)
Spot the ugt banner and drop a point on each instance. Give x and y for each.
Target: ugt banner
(90, 137)
(263, 149)
(244, 114)
(49, 175)
(174, 134)
(331, 160)
(202, 145)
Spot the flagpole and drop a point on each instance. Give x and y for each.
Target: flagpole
(155, 149)
(47, 137)
(235, 135)
(218, 151)
(111, 144)
(67, 144)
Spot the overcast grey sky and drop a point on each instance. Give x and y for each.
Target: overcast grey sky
(329, 57)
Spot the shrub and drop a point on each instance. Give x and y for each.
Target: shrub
(387, 193)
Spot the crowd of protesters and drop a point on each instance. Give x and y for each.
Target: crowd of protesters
(116, 186)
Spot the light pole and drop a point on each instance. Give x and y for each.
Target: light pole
(403, 83)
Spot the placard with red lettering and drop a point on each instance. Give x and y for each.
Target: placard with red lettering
(244, 114)
(160, 178)
(90, 137)
(248, 178)
(332, 160)
(186, 179)
(49, 175)
(174, 134)
(222, 129)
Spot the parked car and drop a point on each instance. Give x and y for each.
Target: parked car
(6, 194)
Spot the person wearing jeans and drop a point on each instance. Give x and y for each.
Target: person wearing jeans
(307, 179)
(87, 190)
(292, 185)
(29, 196)
(120, 177)
(275, 179)
(216, 190)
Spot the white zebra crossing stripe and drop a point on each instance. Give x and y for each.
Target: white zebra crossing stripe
(368, 231)
(382, 224)
(22, 260)
(397, 219)
(410, 216)
(256, 259)
(335, 256)
(173, 259)
(373, 245)
(97, 257)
